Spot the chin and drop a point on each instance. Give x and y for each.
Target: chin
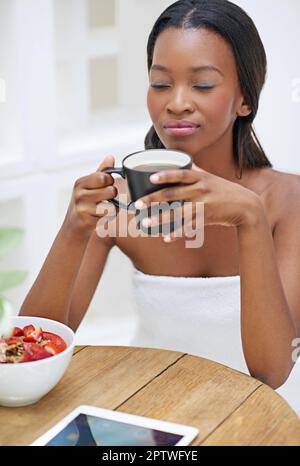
(184, 146)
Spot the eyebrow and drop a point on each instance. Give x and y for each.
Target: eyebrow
(194, 69)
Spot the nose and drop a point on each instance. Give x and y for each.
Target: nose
(180, 101)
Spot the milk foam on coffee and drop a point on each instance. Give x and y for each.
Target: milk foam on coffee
(155, 167)
(159, 158)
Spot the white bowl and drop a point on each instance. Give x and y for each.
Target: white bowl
(25, 383)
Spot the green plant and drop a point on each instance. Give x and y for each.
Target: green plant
(10, 238)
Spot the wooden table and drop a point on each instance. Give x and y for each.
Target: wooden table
(228, 407)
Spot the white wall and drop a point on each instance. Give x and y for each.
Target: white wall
(278, 118)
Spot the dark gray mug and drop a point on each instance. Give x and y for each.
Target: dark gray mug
(138, 167)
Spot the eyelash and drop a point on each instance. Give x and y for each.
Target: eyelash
(163, 86)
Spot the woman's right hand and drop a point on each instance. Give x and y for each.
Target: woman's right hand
(89, 191)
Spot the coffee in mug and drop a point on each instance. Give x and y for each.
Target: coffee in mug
(153, 167)
(137, 169)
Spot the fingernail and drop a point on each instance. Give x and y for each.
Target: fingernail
(154, 178)
(139, 205)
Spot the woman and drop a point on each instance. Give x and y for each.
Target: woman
(207, 66)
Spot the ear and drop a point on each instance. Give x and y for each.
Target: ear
(243, 109)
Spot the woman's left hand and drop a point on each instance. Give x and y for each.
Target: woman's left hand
(225, 203)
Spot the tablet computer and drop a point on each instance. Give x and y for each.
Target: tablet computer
(90, 426)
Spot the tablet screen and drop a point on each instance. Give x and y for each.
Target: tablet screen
(88, 430)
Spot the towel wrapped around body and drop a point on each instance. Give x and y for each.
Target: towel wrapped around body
(199, 316)
(195, 315)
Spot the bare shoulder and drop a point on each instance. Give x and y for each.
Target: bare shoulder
(286, 188)
(279, 192)
(286, 180)
(284, 194)
(267, 178)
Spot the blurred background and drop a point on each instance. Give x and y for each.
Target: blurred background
(73, 83)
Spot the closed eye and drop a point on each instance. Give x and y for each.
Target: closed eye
(159, 86)
(163, 86)
(205, 88)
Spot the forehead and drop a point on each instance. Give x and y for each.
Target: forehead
(184, 48)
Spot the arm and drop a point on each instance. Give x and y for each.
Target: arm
(66, 299)
(270, 297)
(76, 243)
(269, 270)
(50, 294)
(88, 277)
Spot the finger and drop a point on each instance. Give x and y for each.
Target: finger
(198, 169)
(107, 162)
(97, 195)
(189, 191)
(179, 214)
(91, 211)
(106, 209)
(174, 176)
(96, 180)
(164, 216)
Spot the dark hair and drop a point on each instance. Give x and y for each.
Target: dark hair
(237, 28)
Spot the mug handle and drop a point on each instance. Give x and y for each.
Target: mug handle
(119, 171)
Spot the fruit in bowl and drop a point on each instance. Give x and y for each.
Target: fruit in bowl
(33, 359)
(30, 344)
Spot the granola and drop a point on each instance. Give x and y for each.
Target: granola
(30, 344)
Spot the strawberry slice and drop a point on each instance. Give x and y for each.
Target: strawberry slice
(17, 332)
(32, 334)
(12, 340)
(34, 352)
(52, 348)
(28, 329)
(57, 341)
(25, 358)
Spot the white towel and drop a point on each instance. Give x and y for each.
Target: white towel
(195, 315)
(199, 316)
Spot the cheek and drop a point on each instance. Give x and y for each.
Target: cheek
(155, 105)
(220, 108)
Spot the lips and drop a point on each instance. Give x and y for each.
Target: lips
(180, 124)
(180, 128)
